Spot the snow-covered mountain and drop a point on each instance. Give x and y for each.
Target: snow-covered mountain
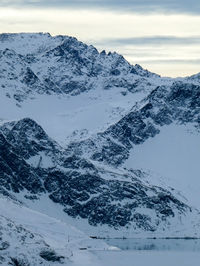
(42, 74)
(89, 140)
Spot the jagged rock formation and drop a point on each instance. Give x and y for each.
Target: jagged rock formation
(63, 65)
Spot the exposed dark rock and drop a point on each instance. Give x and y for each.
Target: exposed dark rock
(50, 255)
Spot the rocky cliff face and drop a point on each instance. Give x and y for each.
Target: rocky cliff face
(84, 189)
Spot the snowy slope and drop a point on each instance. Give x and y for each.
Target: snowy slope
(173, 155)
(26, 235)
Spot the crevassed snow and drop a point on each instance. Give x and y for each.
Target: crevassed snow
(174, 154)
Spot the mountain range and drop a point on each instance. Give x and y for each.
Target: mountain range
(91, 145)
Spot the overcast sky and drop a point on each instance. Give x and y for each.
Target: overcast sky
(161, 35)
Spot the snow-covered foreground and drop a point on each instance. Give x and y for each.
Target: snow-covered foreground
(58, 236)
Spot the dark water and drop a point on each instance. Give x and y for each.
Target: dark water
(156, 244)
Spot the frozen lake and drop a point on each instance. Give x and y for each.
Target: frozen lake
(150, 252)
(156, 244)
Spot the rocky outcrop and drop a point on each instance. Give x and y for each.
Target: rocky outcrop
(83, 189)
(178, 103)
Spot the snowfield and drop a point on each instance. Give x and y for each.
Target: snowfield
(173, 158)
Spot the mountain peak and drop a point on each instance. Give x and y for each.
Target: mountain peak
(37, 63)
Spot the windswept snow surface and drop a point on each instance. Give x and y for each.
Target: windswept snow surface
(173, 159)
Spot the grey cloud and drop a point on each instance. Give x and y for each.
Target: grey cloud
(171, 61)
(151, 40)
(137, 6)
(145, 54)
